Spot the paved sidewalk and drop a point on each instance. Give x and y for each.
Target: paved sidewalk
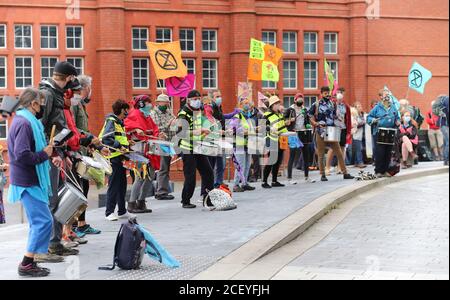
(400, 232)
(198, 238)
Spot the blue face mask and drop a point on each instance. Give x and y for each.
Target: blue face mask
(146, 110)
(219, 101)
(407, 119)
(246, 107)
(195, 104)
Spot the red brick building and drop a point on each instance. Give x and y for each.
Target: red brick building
(369, 45)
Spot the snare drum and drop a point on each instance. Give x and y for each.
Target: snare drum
(161, 148)
(306, 136)
(333, 134)
(386, 136)
(206, 148)
(105, 164)
(85, 164)
(140, 147)
(137, 158)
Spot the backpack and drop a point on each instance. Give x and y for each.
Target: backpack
(220, 200)
(129, 247)
(424, 153)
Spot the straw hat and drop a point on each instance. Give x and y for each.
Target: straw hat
(273, 100)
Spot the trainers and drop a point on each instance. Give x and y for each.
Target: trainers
(200, 200)
(112, 218)
(126, 215)
(277, 184)
(292, 182)
(48, 258)
(265, 185)
(248, 187)
(238, 189)
(74, 238)
(86, 229)
(309, 180)
(33, 270)
(324, 178)
(68, 243)
(348, 177)
(60, 250)
(189, 206)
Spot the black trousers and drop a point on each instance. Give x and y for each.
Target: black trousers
(382, 158)
(85, 185)
(294, 156)
(273, 168)
(117, 188)
(255, 168)
(191, 163)
(212, 163)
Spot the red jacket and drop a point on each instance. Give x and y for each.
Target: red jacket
(432, 120)
(137, 120)
(74, 141)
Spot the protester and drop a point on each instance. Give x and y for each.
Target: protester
(358, 134)
(383, 115)
(219, 163)
(115, 137)
(441, 109)
(409, 140)
(29, 157)
(344, 121)
(3, 181)
(299, 113)
(276, 125)
(435, 136)
(323, 114)
(164, 119)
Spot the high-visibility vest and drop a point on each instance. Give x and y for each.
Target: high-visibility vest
(188, 142)
(242, 140)
(276, 120)
(120, 135)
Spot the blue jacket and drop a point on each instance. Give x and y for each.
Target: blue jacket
(388, 118)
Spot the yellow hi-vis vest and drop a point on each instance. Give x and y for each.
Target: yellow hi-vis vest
(277, 121)
(188, 142)
(242, 140)
(119, 135)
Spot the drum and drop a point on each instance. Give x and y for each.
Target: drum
(306, 136)
(161, 148)
(206, 148)
(85, 164)
(386, 136)
(72, 203)
(139, 147)
(106, 165)
(256, 145)
(137, 158)
(333, 134)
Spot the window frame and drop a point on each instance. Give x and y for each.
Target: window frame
(139, 38)
(5, 37)
(82, 62)
(22, 37)
(325, 43)
(317, 75)
(267, 41)
(23, 77)
(187, 40)
(290, 42)
(291, 97)
(290, 79)
(336, 69)
(216, 74)
(195, 68)
(310, 102)
(216, 41)
(74, 38)
(49, 37)
(140, 77)
(163, 38)
(309, 42)
(5, 58)
(49, 68)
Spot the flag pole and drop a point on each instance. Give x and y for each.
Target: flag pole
(407, 93)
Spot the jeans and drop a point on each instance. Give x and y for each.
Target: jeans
(445, 132)
(56, 182)
(117, 188)
(244, 160)
(358, 152)
(163, 177)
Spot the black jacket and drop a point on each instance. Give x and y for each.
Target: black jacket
(54, 106)
(291, 113)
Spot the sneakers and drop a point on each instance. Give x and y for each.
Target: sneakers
(126, 216)
(277, 184)
(74, 238)
(309, 180)
(238, 189)
(292, 182)
(265, 185)
(112, 218)
(86, 229)
(33, 270)
(189, 206)
(48, 258)
(324, 178)
(348, 177)
(164, 197)
(60, 250)
(68, 243)
(248, 187)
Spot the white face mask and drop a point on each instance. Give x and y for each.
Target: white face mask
(76, 99)
(340, 96)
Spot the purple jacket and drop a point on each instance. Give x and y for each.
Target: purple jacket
(22, 154)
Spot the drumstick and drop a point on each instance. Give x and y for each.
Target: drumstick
(114, 149)
(52, 134)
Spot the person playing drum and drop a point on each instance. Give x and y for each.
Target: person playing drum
(383, 115)
(141, 128)
(301, 125)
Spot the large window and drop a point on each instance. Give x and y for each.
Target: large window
(2, 36)
(160, 84)
(78, 63)
(2, 72)
(288, 101)
(334, 68)
(209, 40)
(331, 43)
(210, 74)
(140, 73)
(310, 42)
(24, 72)
(23, 36)
(47, 66)
(74, 37)
(310, 74)
(139, 38)
(269, 85)
(187, 40)
(310, 100)
(290, 74)
(163, 35)
(49, 37)
(290, 42)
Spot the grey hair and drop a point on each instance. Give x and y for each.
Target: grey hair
(85, 80)
(29, 95)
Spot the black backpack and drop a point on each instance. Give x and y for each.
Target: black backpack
(129, 248)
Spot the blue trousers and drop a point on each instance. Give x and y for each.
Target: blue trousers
(358, 152)
(41, 222)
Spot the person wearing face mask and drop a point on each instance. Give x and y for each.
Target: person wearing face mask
(220, 161)
(113, 135)
(29, 156)
(383, 115)
(243, 126)
(300, 121)
(163, 117)
(343, 121)
(191, 131)
(141, 128)
(53, 90)
(275, 126)
(409, 140)
(323, 114)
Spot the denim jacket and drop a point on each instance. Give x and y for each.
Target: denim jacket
(388, 118)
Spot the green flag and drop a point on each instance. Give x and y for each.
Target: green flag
(329, 76)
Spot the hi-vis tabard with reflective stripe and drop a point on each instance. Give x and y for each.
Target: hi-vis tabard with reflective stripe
(242, 140)
(188, 142)
(276, 121)
(120, 136)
